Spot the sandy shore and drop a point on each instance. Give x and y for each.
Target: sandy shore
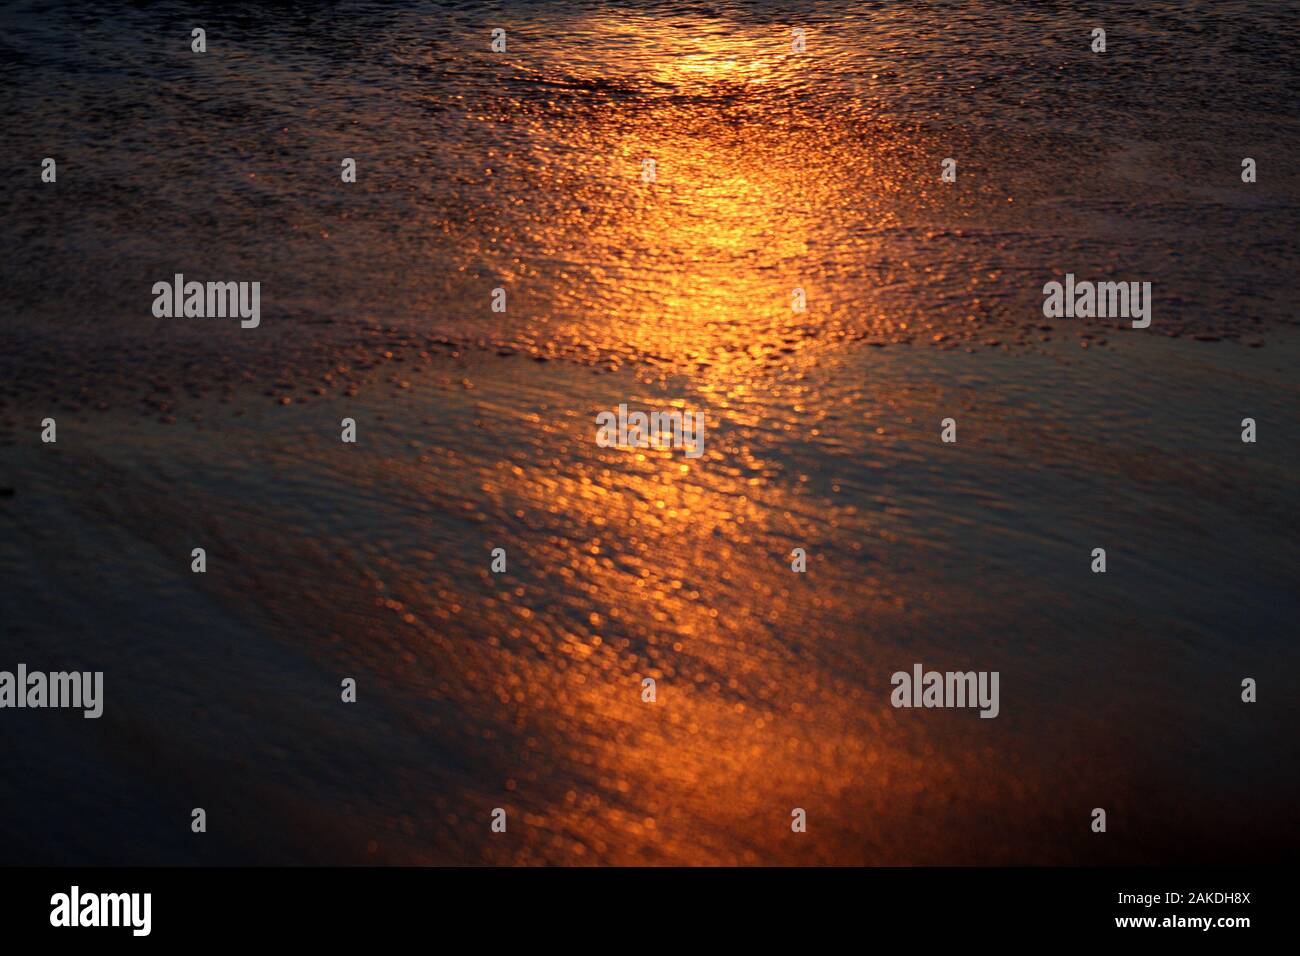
(522, 690)
(506, 265)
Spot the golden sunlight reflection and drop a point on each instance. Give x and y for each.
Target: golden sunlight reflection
(698, 265)
(698, 262)
(642, 564)
(780, 180)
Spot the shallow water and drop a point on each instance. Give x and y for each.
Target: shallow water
(774, 170)
(523, 690)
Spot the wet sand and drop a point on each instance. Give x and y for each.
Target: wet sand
(476, 430)
(522, 690)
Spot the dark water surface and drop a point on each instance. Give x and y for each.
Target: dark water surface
(774, 171)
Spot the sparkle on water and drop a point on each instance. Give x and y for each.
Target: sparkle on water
(773, 171)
